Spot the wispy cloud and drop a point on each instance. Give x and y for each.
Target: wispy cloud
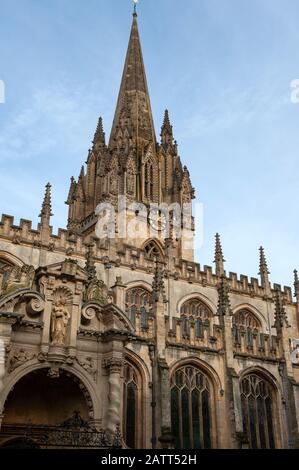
(54, 117)
(232, 106)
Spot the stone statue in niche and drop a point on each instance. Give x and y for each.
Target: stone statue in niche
(60, 319)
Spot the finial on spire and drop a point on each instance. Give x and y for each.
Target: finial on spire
(135, 7)
(219, 258)
(46, 211)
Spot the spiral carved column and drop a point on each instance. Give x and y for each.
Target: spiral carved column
(114, 366)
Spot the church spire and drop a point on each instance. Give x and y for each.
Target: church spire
(133, 114)
(46, 211)
(219, 258)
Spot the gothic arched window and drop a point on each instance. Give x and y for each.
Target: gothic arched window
(138, 300)
(257, 410)
(131, 406)
(150, 178)
(146, 180)
(151, 182)
(198, 311)
(247, 319)
(191, 409)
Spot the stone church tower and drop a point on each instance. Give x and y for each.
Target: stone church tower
(112, 336)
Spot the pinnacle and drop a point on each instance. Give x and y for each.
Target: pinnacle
(263, 262)
(46, 211)
(218, 249)
(99, 137)
(296, 283)
(166, 121)
(219, 258)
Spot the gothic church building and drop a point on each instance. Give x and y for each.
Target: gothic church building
(126, 341)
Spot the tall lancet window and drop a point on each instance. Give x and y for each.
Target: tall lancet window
(146, 180)
(131, 406)
(151, 179)
(257, 409)
(191, 409)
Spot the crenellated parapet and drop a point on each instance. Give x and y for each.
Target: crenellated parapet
(117, 254)
(24, 234)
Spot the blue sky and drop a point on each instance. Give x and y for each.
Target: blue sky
(223, 68)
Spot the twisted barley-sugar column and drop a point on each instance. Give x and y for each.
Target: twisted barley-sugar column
(114, 365)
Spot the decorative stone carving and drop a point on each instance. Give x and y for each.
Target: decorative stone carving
(18, 358)
(88, 313)
(97, 291)
(54, 373)
(35, 306)
(19, 278)
(12, 301)
(88, 364)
